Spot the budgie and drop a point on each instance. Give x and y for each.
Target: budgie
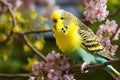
(79, 42)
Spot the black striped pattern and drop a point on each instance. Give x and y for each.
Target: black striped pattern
(90, 40)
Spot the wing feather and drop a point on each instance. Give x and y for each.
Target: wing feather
(91, 42)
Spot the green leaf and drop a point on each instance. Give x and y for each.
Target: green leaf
(116, 42)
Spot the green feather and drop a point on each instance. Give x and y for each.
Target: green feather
(81, 55)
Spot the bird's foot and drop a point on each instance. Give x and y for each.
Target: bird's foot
(83, 66)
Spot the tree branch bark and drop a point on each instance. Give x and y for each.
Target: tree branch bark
(75, 68)
(14, 22)
(30, 46)
(111, 62)
(26, 75)
(112, 37)
(37, 31)
(115, 13)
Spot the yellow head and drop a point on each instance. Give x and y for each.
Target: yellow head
(61, 20)
(57, 19)
(65, 29)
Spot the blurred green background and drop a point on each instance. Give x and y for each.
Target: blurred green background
(17, 57)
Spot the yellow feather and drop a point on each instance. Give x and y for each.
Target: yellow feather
(69, 40)
(95, 48)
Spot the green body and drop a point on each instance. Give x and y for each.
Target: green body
(81, 55)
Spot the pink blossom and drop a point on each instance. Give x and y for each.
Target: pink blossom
(68, 77)
(105, 32)
(36, 68)
(57, 55)
(31, 78)
(65, 67)
(14, 4)
(99, 34)
(95, 10)
(113, 49)
(46, 11)
(90, 17)
(50, 57)
(28, 4)
(51, 2)
(117, 35)
(50, 61)
(111, 26)
(56, 66)
(53, 74)
(106, 43)
(42, 2)
(64, 63)
(42, 78)
(17, 4)
(101, 12)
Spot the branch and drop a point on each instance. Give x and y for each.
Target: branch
(23, 34)
(112, 37)
(111, 62)
(84, 20)
(37, 31)
(92, 67)
(31, 47)
(13, 21)
(115, 13)
(3, 2)
(27, 75)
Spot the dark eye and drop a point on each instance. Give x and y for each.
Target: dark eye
(54, 20)
(66, 27)
(62, 18)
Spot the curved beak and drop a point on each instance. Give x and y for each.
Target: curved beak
(54, 27)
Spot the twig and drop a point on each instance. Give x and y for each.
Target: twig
(13, 21)
(115, 13)
(112, 37)
(31, 47)
(91, 67)
(23, 35)
(84, 20)
(36, 31)
(102, 65)
(27, 75)
(3, 2)
(75, 68)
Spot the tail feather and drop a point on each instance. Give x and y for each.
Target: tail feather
(115, 71)
(112, 71)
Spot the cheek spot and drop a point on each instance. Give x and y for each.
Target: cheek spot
(63, 30)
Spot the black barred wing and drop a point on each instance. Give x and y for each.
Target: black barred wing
(90, 40)
(91, 43)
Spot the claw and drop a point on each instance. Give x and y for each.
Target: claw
(83, 67)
